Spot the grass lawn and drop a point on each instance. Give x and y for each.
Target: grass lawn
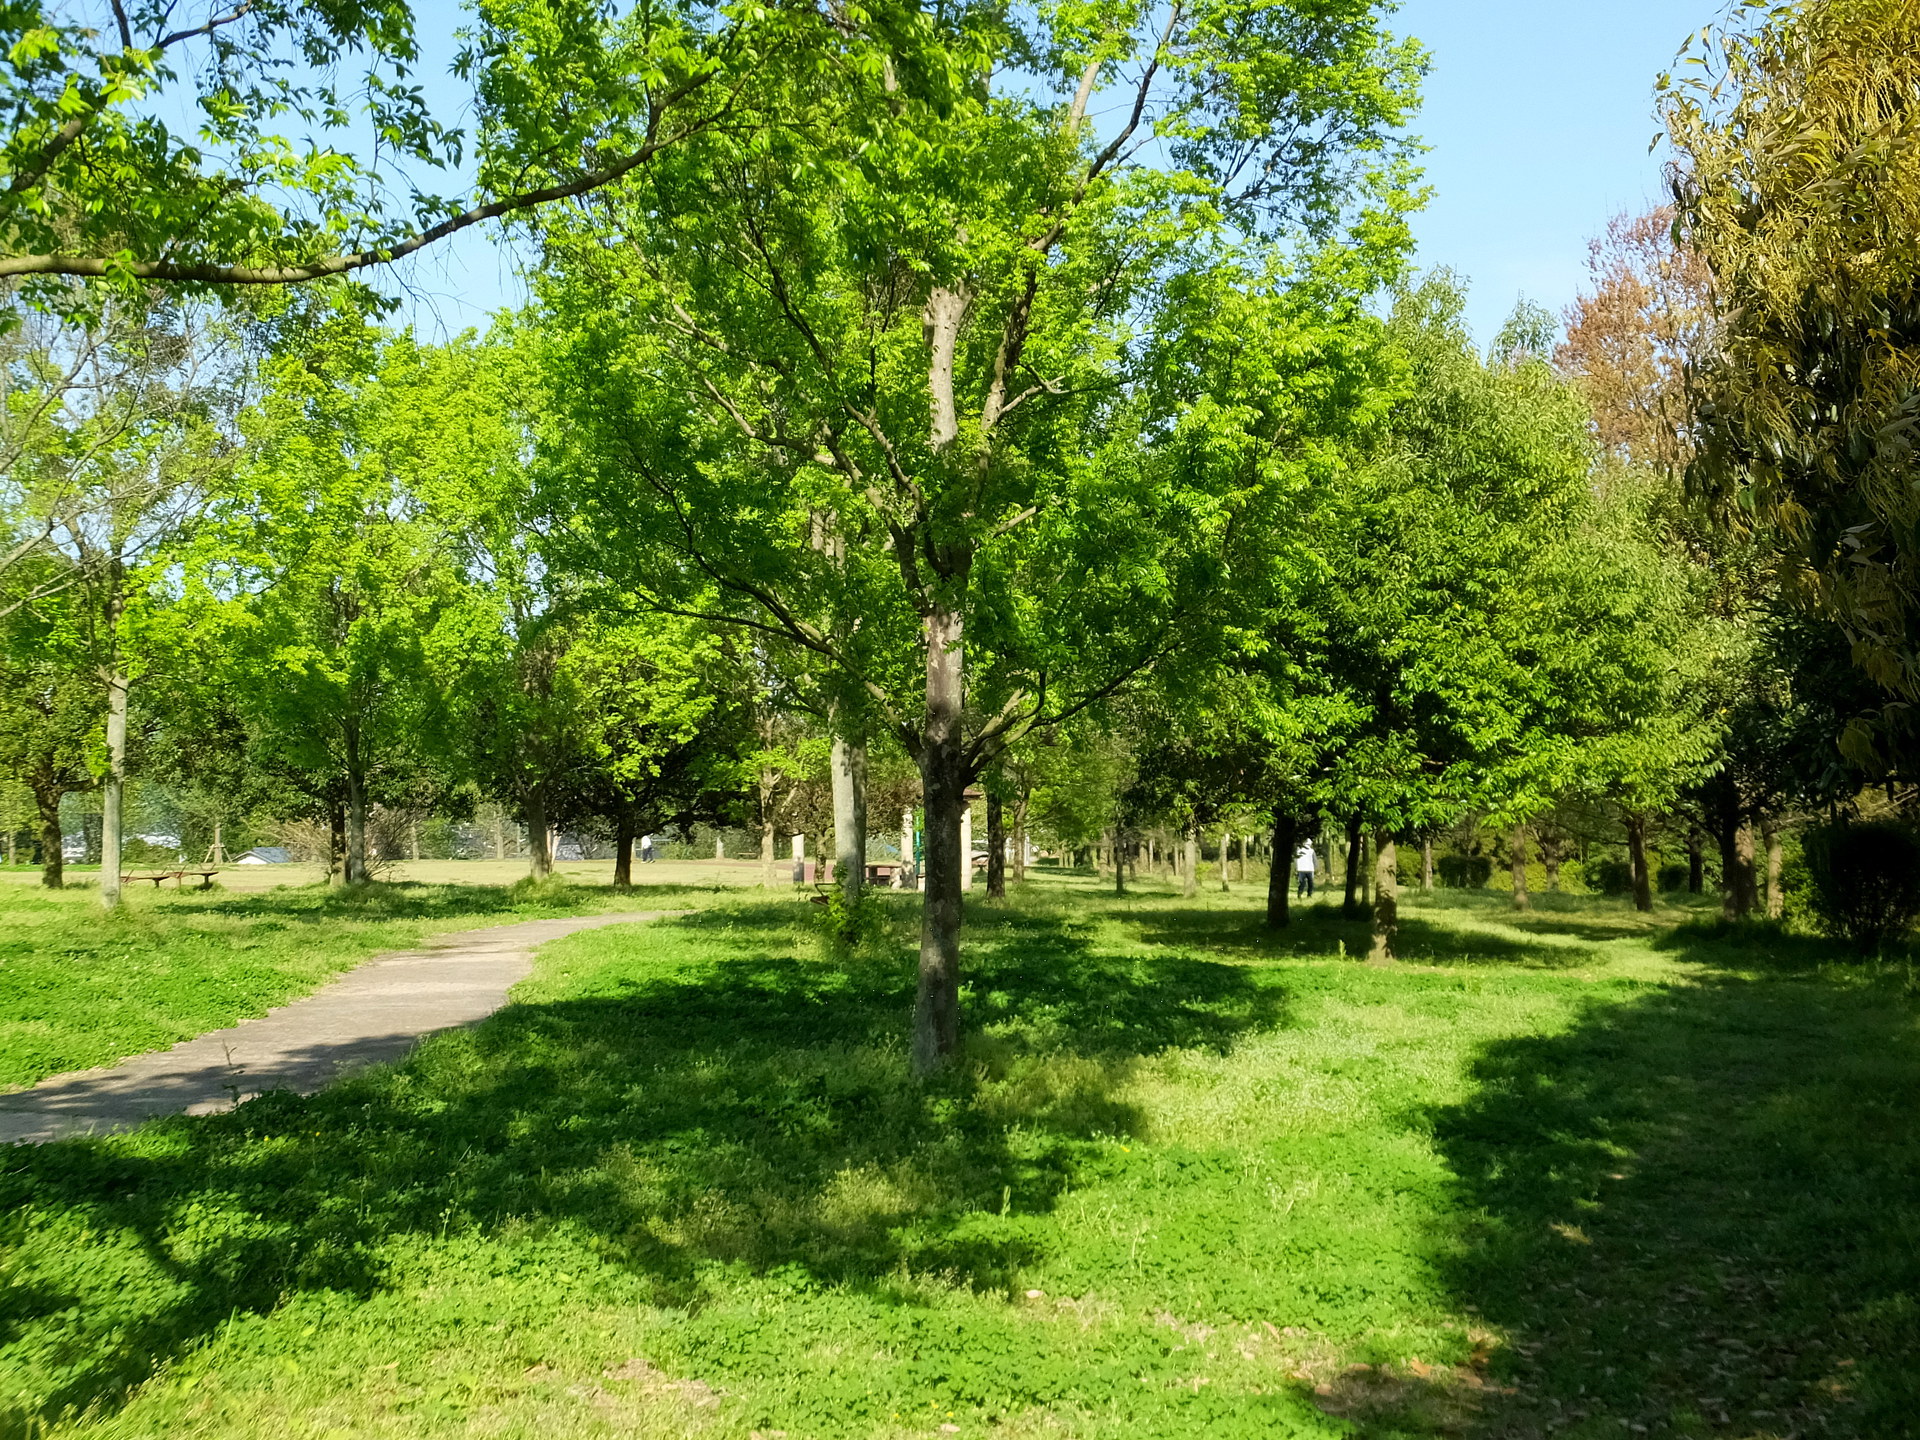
(79, 988)
(1567, 1174)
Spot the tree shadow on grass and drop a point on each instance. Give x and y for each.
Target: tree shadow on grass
(736, 1105)
(421, 900)
(1700, 1210)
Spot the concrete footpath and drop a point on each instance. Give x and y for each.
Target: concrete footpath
(374, 1013)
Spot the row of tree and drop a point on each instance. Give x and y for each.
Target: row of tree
(1027, 403)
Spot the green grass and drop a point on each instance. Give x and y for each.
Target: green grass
(79, 988)
(1566, 1176)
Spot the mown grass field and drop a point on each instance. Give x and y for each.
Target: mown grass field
(1566, 1174)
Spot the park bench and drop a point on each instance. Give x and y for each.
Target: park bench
(179, 877)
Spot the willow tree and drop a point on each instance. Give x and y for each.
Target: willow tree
(1798, 183)
(904, 384)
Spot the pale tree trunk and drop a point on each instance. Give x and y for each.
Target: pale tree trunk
(1386, 898)
(943, 783)
(1743, 855)
(901, 876)
(1285, 842)
(53, 862)
(413, 839)
(1550, 862)
(1020, 840)
(966, 844)
(1521, 899)
(1190, 858)
(996, 848)
(1776, 857)
(539, 837)
(217, 855)
(850, 818)
(1637, 862)
(1226, 844)
(623, 850)
(767, 783)
(499, 835)
(112, 824)
(1426, 863)
(1350, 903)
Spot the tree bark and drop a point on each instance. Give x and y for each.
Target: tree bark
(112, 821)
(539, 837)
(623, 849)
(413, 838)
(1637, 862)
(1426, 863)
(1190, 855)
(499, 835)
(996, 848)
(766, 837)
(1696, 862)
(1226, 847)
(1386, 898)
(1279, 882)
(53, 861)
(356, 815)
(850, 818)
(943, 783)
(1776, 859)
(1521, 899)
(1550, 862)
(1350, 905)
(1020, 839)
(1744, 868)
(336, 843)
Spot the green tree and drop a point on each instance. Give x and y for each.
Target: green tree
(938, 327)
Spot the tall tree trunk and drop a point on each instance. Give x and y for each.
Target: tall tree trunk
(1119, 867)
(849, 763)
(766, 833)
(1020, 839)
(112, 822)
(623, 849)
(1696, 862)
(499, 834)
(1521, 899)
(901, 876)
(1285, 843)
(1226, 845)
(1776, 857)
(53, 860)
(1426, 862)
(943, 784)
(1733, 903)
(966, 844)
(996, 848)
(413, 838)
(356, 815)
(1744, 868)
(1386, 898)
(539, 836)
(1637, 862)
(1350, 905)
(1190, 882)
(1550, 862)
(336, 843)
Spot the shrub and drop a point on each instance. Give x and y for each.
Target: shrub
(1672, 877)
(1610, 875)
(1463, 872)
(1864, 881)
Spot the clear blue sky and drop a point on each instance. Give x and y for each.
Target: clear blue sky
(1538, 116)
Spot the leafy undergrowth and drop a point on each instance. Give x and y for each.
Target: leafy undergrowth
(79, 988)
(1190, 1180)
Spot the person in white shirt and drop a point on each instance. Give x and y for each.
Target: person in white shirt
(1303, 867)
(646, 849)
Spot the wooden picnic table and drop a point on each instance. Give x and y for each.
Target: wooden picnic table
(179, 877)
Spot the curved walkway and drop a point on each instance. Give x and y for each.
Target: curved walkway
(374, 1013)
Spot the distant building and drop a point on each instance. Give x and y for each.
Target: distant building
(265, 855)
